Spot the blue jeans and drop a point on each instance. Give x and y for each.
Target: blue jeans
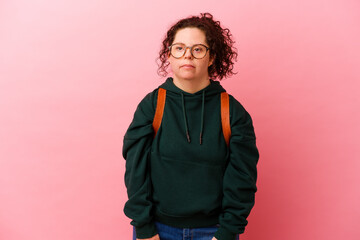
(172, 233)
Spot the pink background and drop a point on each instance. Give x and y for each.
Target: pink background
(73, 72)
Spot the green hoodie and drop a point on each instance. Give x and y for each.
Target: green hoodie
(186, 176)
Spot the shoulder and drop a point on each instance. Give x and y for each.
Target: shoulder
(147, 105)
(149, 101)
(236, 108)
(240, 120)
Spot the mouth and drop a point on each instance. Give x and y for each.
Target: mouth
(187, 66)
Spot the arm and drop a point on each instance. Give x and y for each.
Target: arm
(136, 149)
(239, 183)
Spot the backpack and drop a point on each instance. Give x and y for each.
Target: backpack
(225, 113)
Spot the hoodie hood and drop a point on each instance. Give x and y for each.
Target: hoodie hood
(214, 88)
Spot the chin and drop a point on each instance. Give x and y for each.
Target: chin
(187, 77)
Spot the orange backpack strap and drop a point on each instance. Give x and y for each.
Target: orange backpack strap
(159, 110)
(225, 117)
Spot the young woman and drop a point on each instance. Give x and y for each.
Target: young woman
(186, 181)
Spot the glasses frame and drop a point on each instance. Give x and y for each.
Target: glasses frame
(191, 48)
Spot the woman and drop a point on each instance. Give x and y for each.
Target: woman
(186, 182)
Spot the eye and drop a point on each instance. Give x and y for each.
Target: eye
(178, 47)
(198, 49)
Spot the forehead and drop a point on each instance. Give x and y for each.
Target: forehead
(190, 36)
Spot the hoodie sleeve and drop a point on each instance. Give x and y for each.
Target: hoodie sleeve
(239, 183)
(136, 149)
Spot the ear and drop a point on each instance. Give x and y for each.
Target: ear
(168, 55)
(211, 61)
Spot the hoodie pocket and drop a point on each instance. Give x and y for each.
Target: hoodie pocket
(186, 188)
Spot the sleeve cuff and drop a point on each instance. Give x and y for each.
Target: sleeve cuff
(223, 234)
(146, 231)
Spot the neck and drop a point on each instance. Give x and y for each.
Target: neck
(191, 85)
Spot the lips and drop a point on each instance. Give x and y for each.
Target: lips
(187, 66)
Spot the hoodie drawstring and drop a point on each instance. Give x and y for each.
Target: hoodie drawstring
(202, 117)
(184, 115)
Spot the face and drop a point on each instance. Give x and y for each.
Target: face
(187, 67)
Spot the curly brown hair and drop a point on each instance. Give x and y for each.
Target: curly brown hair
(218, 38)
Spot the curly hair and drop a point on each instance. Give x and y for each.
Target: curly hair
(219, 40)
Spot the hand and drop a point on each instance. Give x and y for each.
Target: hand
(214, 238)
(156, 237)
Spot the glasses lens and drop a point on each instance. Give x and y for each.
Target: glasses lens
(199, 51)
(177, 50)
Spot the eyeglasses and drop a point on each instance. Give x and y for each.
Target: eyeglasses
(198, 51)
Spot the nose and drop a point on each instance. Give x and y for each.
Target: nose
(188, 53)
